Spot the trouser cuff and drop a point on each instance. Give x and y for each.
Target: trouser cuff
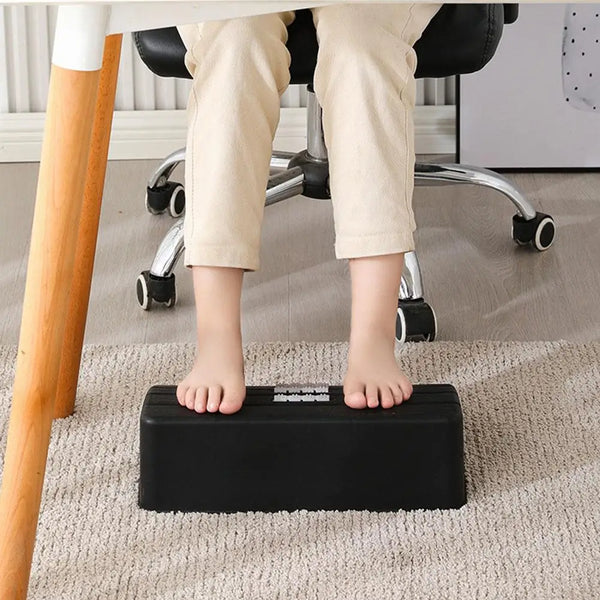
(374, 245)
(220, 256)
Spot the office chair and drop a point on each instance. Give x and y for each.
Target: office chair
(461, 38)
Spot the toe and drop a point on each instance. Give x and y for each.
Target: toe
(232, 401)
(397, 393)
(214, 398)
(190, 397)
(354, 396)
(200, 403)
(407, 387)
(372, 399)
(180, 393)
(387, 401)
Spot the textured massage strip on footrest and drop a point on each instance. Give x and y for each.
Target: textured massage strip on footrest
(301, 393)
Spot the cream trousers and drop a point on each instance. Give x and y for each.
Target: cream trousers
(364, 82)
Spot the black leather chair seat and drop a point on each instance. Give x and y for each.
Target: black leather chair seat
(443, 49)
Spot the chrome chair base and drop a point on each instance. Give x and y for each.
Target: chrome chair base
(307, 173)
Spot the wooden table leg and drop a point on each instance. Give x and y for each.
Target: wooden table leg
(88, 230)
(62, 176)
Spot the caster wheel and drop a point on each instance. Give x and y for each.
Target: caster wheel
(171, 195)
(177, 202)
(415, 321)
(150, 288)
(172, 299)
(539, 231)
(141, 290)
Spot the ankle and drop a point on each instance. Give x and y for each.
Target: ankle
(218, 323)
(217, 293)
(375, 284)
(224, 329)
(373, 333)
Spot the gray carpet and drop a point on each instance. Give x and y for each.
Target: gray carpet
(530, 528)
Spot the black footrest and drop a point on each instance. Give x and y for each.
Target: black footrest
(301, 447)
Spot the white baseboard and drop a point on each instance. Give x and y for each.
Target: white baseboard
(154, 134)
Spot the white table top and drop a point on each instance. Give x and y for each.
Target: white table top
(270, 2)
(83, 24)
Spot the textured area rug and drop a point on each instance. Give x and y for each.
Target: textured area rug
(530, 528)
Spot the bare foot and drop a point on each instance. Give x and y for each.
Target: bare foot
(373, 374)
(216, 381)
